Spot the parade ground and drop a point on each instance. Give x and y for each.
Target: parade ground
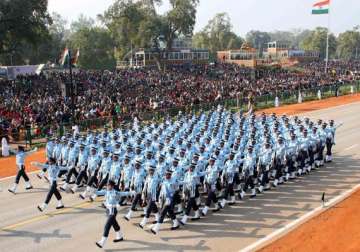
(249, 225)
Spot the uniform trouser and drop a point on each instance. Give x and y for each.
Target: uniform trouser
(236, 179)
(82, 176)
(211, 197)
(311, 156)
(328, 147)
(229, 190)
(177, 198)
(321, 153)
(303, 159)
(152, 207)
(72, 171)
(291, 165)
(21, 173)
(61, 173)
(135, 201)
(92, 180)
(249, 181)
(197, 194)
(168, 209)
(123, 198)
(103, 182)
(53, 190)
(111, 222)
(191, 204)
(279, 170)
(265, 178)
(117, 185)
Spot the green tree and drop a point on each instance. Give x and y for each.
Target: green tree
(348, 44)
(96, 47)
(136, 24)
(258, 39)
(300, 35)
(316, 41)
(49, 48)
(179, 20)
(217, 35)
(22, 22)
(128, 23)
(282, 36)
(83, 22)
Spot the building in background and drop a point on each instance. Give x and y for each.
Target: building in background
(246, 56)
(276, 53)
(281, 51)
(180, 53)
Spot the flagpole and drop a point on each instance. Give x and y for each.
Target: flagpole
(72, 89)
(327, 42)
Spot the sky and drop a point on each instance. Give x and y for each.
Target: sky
(245, 15)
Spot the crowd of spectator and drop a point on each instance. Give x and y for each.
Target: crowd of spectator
(37, 100)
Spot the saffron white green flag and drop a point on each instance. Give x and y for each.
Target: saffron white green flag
(321, 7)
(65, 57)
(74, 60)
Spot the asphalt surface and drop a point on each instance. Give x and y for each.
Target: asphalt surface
(80, 224)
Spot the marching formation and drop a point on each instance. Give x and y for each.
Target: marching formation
(190, 164)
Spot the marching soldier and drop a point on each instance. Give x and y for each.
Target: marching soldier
(265, 164)
(190, 193)
(292, 158)
(112, 198)
(53, 172)
(167, 204)
(94, 162)
(330, 139)
(304, 153)
(229, 177)
(280, 161)
(103, 174)
(21, 154)
(136, 185)
(211, 179)
(248, 173)
(115, 170)
(149, 196)
(82, 168)
(71, 163)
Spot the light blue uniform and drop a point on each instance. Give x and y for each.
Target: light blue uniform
(105, 167)
(53, 171)
(150, 187)
(21, 155)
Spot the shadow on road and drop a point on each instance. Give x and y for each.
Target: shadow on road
(36, 236)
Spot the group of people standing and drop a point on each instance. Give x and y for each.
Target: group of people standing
(190, 164)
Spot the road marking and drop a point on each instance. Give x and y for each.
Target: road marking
(277, 234)
(351, 147)
(46, 216)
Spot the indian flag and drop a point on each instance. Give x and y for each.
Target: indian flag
(75, 59)
(321, 7)
(65, 57)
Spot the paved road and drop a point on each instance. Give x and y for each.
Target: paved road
(77, 227)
